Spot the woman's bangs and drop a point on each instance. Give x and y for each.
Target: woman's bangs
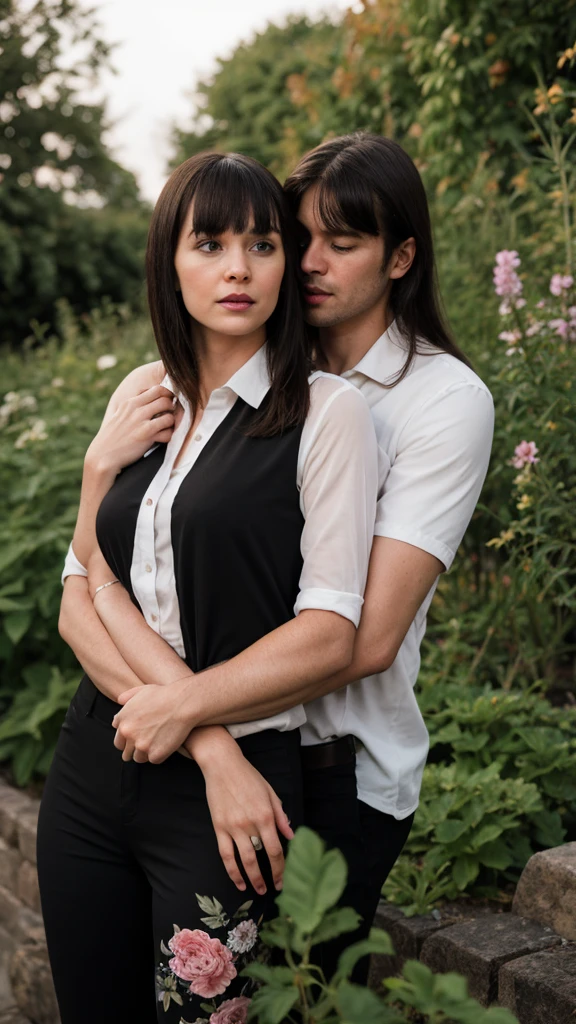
(345, 203)
(232, 197)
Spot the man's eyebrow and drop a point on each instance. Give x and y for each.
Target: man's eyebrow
(329, 232)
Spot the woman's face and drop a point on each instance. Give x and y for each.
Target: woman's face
(229, 282)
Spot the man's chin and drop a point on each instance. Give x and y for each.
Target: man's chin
(317, 316)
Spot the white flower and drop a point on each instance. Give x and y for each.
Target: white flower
(504, 308)
(37, 432)
(58, 382)
(21, 441)
(242, 937)
(28, 402)
(12, 398)
(64, 419)
(106, 362)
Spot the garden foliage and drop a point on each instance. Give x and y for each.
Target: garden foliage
(314, 881)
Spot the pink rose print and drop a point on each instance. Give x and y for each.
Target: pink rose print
(232, 1011)
(203, 961)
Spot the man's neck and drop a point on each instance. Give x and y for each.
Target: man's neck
(345, 344)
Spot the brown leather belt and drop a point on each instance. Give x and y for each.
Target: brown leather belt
(327, 755)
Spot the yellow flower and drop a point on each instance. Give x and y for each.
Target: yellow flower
(520, 180)
(494, 700)
(568, 54)
(572, 120)
(555, 93)
(504, 538)
(525, 502)
(551, 425)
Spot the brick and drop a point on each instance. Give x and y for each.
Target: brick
(9, 863)
(10, 908)
(13, 803)
(27, 885)
(7, 950)
(541, 987)
(30, 927)
(32, 985)
(546, 891)
(479, 948)
(12, 1015)
(27, 828)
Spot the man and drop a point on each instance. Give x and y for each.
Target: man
(370, 290)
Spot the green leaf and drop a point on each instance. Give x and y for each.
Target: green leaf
(465, 870)
(271, 975)
(451, 985)
(498, 1015)
(314, 880)
(271, 1004)
(358, 1005)
(496, 855)
(336, 922)
(449, 831)
(420, 976)
(486, 834)
(16, 625)
(378, 941)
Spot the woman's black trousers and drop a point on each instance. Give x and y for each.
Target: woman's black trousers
(123, 849)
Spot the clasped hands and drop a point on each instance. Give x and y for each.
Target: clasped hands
(151, 724)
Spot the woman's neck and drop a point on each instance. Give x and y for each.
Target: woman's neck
(221, 355)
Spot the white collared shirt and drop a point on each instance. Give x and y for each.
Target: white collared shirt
(337, 479)
(434, 433)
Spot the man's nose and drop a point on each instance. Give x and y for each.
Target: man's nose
(313, 261)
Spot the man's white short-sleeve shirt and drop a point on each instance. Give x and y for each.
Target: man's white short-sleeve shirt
(434, 431)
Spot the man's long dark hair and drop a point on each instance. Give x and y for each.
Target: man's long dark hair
(230, 192)
(368, 183)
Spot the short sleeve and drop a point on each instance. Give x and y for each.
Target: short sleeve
(72, 567)
(338, 478)
(435, 480)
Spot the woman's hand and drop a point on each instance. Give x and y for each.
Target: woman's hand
(135, 425)
(152, 724)
(242, 804)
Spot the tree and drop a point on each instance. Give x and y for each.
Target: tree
(56, 171)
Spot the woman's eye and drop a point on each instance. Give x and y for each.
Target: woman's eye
(210, 245)
(263, 246)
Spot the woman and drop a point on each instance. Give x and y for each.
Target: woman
(235, 499)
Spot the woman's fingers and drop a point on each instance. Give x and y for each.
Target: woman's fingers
(280, 816)
(273, 847)
(151, 395)
(250, 861)
(226, 850)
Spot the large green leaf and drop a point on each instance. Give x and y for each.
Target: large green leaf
(378, 941)
(271, 1004)
(16, 625)
(314, 880)
(358, 1005)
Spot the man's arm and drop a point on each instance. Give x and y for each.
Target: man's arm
(400, 577)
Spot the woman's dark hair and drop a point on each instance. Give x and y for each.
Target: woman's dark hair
(230, 192)
(368, 183)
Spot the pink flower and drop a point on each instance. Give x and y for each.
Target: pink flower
(524, 453)
(506, 280)
(561, 283)
(203, 961)
(232, 1011)
(510, 336)
(559, 326)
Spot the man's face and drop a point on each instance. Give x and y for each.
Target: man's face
(344, 278)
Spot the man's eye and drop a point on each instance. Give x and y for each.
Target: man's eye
(342, 248)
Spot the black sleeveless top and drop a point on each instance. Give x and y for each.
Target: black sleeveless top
(236, 527)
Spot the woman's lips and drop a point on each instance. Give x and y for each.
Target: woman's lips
(237, 303)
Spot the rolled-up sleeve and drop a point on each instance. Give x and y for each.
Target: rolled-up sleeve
(338, 492)
(72, 567)
(435, 480)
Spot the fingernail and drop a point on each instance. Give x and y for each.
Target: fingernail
(278, 886)
(261, 891)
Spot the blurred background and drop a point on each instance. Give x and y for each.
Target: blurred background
(96, 106)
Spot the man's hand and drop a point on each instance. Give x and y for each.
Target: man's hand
(151, 725)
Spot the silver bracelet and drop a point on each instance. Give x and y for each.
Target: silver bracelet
(104, 585)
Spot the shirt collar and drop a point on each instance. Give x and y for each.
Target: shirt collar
(385, 359)
(251, 382)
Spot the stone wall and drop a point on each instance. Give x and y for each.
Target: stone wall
(26, 992)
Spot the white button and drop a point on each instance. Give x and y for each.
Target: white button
(198, 437)
(148, 568)
(149, 501)
(154, 617)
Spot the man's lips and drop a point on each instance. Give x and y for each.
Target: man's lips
(315, 296)
(237, 303)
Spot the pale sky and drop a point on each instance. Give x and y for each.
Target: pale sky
(165, 47)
